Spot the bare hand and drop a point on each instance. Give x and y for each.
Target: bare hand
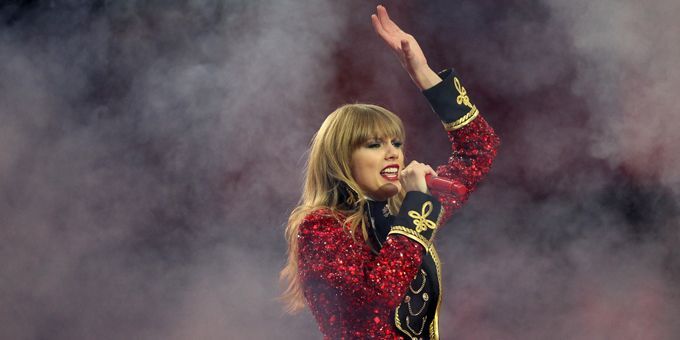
(412, 178)
(406, 48)
(403, 44)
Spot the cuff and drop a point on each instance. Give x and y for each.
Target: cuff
(450, 101)
(418, 218)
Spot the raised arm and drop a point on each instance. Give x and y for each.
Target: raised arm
(473, 141)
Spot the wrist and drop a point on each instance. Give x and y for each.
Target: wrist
(425, 78)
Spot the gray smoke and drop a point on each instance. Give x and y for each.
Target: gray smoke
(631, 63)
(146, 163)
(579, 242)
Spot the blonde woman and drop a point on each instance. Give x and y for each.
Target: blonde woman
(360, 243)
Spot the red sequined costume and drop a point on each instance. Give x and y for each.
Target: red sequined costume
(358, 292)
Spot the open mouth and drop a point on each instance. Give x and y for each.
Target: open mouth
(390, 173)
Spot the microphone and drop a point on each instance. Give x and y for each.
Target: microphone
(445, 185)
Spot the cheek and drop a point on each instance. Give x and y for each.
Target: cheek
(356, 168)
(360, 171)
(363, 167)
(354, 171)
(359, 164)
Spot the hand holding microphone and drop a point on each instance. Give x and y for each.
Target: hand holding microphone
(421, 177)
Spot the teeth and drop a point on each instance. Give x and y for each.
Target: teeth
(390, 171)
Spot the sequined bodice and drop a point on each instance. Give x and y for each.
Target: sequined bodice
(418, 306)
(388, 288)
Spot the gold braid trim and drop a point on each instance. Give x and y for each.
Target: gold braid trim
(439, 220)
(434, 326)
(464, 100)
(397, 322)
(465, 120)
(412, 234)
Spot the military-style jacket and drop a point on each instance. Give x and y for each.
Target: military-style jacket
(389, 287)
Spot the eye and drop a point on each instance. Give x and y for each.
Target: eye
(397, 143)
(373, 145)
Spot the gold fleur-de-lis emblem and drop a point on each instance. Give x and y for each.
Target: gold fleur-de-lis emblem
(420, 219)
(462, 94)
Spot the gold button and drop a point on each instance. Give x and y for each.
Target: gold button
(425, 297)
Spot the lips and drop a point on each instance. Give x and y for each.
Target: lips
(390, 172)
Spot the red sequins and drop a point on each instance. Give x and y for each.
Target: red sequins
(348, 285)
(353, 292)
(474, 148)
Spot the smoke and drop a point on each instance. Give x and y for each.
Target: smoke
(580, 213)
(146, 163)
(633, 51)
(151, 151)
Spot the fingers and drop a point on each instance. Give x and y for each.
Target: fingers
(427, 169)
(419, 168)
(412, 178)
(389, 38)
(406, 47)
(390, 32)
(430, 171)
(410, 168)
(377, 26)
(385, 20)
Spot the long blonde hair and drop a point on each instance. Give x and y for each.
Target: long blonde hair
(328, 182)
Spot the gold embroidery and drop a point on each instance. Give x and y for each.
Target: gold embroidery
(455, 125)
(397, 323)
(439, 217)
(420, 219)
(422, 325)
(417, 291)
(462, 94)
(439, 220)
(462, 99)
(410, 309)
(434, 326)
(410, 233)
(421, 222)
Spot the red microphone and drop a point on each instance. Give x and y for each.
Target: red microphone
(445, 185)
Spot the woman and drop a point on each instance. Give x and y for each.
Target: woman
(360, 241)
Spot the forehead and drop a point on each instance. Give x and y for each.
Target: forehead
(381, 131)
(373, 124)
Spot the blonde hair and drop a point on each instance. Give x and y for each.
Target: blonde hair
(328, 182)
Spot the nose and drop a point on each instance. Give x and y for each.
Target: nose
(392, 152)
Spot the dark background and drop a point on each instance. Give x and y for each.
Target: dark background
(150, 152)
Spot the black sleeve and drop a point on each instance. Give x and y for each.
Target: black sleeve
(450, 101)
(418, 218)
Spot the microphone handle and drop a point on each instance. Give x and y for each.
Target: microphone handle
(445, 185)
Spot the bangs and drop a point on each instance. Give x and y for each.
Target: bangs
(375, 122)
